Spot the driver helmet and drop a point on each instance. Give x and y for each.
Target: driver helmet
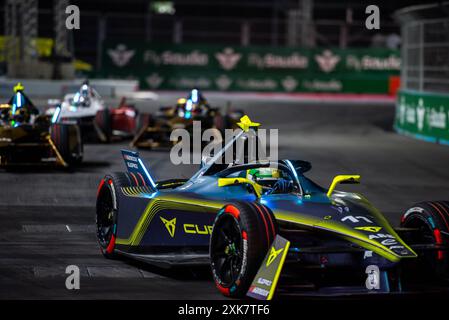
(180, 104)
(82, 97)
(21, 106)
(197, 101)
(264, 174)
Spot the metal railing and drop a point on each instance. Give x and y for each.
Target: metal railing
(425, 55)
(97, 27)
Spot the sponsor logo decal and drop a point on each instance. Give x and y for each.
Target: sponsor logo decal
(420, 113)
(367, 62)
(171, 58)
(132, 165)
(323, 85)
(197, 229)
(414, 209)
(228, 59)
(121, 55)
(270, 60)
(368, 228)
(259, 291)
(264, 282)
(273, 255)
(154, 80)
(289, 83)
(130, 158)
(327, 61)
(170, 225)
(388, 241)
(373, 277)
(223, 82)
(356, 219)
(437, 119)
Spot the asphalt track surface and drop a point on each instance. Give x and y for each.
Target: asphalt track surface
(47, 215)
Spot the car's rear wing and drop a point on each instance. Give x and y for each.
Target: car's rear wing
(136, 168)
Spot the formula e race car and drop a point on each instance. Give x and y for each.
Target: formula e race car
(253, 220)
(97, 122)
(154, 131)
(28, 137)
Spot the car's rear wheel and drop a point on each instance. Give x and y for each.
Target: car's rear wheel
(241, 237)
(107, 209)
(103, 120)
(430, 219)
(67, 140)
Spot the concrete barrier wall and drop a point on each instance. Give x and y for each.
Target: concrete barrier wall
(423, 116)
(58, 88)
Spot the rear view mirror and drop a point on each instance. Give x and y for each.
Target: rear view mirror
(343, 179)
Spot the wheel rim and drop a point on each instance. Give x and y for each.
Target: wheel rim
(426, 235)
(226, 250)
(425, 231)
(105, 217)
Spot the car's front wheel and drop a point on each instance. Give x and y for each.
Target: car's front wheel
(107, 209)
(430, 221)
(241, 237)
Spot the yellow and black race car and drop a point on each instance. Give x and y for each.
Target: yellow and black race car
(154, 131)
(255, 220)
(28, 137)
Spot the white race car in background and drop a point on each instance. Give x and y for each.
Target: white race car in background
(97, 122)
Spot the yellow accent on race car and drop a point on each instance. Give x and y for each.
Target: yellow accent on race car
(350, 234)
(369, 228)
(273, 255)
(161, 203)
(342, 179)
(56, 151)
(246, 123)
(222, 182)
(170, 225)
(18, 87)
(278, 271)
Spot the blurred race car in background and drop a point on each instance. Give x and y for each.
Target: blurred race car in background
(247, 220)
(28, 137)
(154, 131)
(97, 122)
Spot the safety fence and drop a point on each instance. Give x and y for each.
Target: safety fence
(422, 109)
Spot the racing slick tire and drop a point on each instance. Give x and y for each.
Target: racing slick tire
(67, 140)
(432, 220)
(242, 234)
(107, 209)
(103, 120)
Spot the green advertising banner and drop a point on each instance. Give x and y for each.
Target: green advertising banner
(180, 67)
(424, 116)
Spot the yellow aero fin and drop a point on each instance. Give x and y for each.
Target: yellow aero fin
(222, 182)
(344, 178)
(246, 123)
(18, 87)
(267, 277)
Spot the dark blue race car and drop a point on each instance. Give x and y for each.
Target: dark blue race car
(253, 220)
